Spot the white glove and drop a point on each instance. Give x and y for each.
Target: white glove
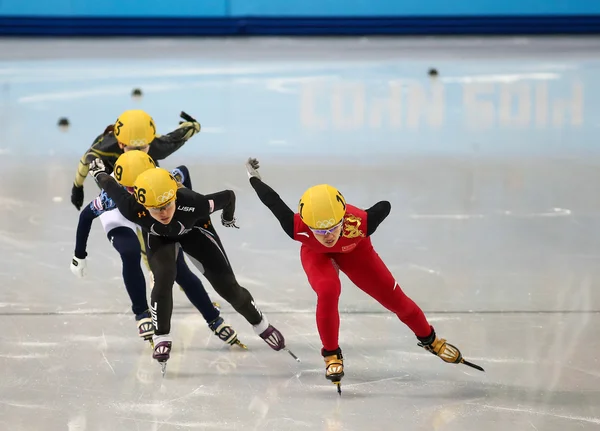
(96, 168)
(252, 168)
(193, 128)
(78, 267)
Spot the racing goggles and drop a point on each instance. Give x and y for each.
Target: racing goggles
(326, 231)
(157, 210)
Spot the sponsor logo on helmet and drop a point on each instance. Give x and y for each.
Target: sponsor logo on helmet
(166, 196)
(324, 223)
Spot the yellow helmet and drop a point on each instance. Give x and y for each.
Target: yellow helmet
(322, 207)
(135, 128)
(155, 188)
(130, 164)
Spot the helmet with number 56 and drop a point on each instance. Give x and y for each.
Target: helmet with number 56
(130, 165)
(155, 188)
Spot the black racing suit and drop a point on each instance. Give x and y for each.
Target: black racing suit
(191, 229)
(107, 148)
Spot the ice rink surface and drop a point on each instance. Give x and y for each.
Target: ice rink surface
(492, 171)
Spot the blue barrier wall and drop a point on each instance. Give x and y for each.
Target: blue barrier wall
(296, 17)
(376, 8)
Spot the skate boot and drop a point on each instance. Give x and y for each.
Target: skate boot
(334, 366)
(162, 350)
(225, 332)
(272, 336)
(144, 324)
(444, 350)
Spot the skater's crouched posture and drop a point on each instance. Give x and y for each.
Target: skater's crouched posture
(173, 217)
(134, 130)
(335, 237)
(126, 169)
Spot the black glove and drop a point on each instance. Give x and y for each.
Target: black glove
(229, 223)
(77, 196)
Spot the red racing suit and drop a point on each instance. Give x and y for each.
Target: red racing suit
(353, 254)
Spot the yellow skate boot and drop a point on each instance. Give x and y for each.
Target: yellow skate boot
(444, 350)
(334, 366)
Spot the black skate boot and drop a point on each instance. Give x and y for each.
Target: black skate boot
(334, 366)
(162, 350)
(144, 324)
(444, 350)
(225, 332)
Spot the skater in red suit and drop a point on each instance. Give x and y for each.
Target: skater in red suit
(335, 237)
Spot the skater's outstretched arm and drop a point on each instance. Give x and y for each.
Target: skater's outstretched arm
(165, 145)
(278, 207)
(376, 214)
(86, 219)
(224, 200)
(101, 147)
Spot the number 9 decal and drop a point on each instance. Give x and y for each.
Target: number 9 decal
(119, 172)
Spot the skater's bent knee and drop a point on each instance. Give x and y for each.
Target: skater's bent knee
(328, 293)
(164, 277)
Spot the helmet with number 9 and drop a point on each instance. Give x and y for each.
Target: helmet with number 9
(135, 129)
(155, 188)
(322, 207)
(131, 164)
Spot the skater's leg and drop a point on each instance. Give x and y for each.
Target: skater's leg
(162, 260)
(323, 276)
(194, 289)
(207, 253)
(126, 242)
(365, 268)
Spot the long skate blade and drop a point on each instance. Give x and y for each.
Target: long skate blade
(240, 344)
(472, 365)
(163, 368)
(290, 352)
(339, 387)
